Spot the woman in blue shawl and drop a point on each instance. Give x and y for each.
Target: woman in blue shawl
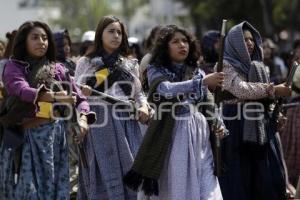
(252, 161)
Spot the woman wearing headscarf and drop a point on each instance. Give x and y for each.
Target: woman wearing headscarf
(251, 155)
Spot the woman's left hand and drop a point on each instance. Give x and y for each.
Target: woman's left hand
(143, 114)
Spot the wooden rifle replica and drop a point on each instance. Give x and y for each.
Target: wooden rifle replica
(74, 127)
(108, 98)
(279, 102)
(114, 100)
(218, 109)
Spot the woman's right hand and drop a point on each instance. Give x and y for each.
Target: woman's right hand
(282, 90)
(214, 79)
(86, 90)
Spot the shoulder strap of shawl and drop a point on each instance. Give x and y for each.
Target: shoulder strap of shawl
(118, 73)
(150, 158)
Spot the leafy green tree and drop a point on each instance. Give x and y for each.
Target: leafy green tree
(79, 15)
(269, 16)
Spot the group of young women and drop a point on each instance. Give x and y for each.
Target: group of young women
(174, 159)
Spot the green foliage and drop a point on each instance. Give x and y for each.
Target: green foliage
(269, 16)
(286, 13)
(79, 16)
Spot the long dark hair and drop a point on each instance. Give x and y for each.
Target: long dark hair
(19, 51)
(98, 44)
(152, 37)
(160, 51)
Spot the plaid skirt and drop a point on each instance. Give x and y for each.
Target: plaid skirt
(290, 138)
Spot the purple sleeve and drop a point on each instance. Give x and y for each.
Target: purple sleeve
(81, 101)
(82, 104)
(16, 84)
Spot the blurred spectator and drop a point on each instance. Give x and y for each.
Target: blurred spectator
(7, 53)
(87, 42)
(277, 68)
(151, 38)
(2, 49)
(63, 50)
(290, 135)
(210, 43)
(296, 83)
(9, 45)
(296, 51)
(147, 57)
(134, 48)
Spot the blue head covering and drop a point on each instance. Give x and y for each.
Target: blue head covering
(207, 46)
(235, 50)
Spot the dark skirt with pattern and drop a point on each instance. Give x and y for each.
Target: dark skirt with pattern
(44, 169)
(290, 138)
(252, 172)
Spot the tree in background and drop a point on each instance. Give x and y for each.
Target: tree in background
(79, 16)
(269, 16)
(82, 15)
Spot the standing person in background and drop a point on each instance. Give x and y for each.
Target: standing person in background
(251, 152)
(9, 46)
(87, 42)
(63, 55)
(134, 49)
(175, 160)
(63, 50)
(34, 155)
(111, 147)
(210, 43)
(3, 61)
(147, 57)
(2, 49)
(296, 51)
(7, 53)
(277, 68)
(290, 135)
